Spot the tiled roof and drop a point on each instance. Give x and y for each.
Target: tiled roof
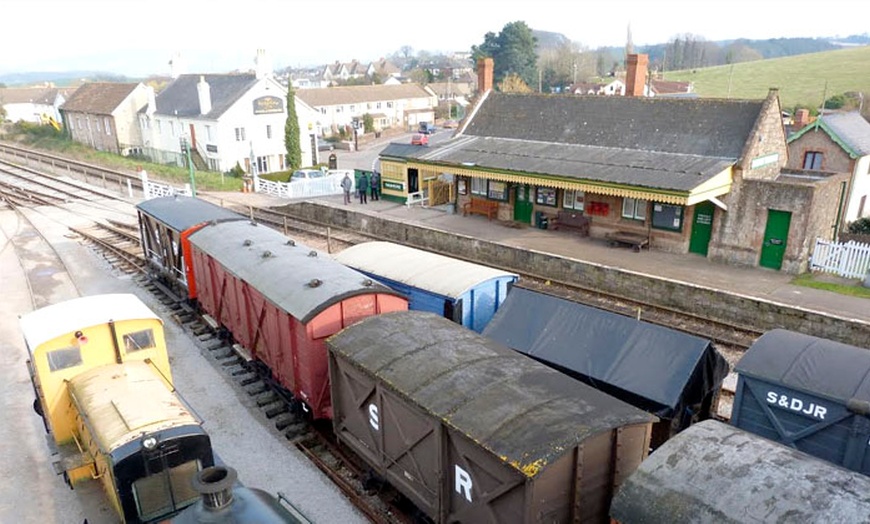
(670, 144)
(98, 98)
(852, 129)
(330, 96)
(181, 97)
(31, 95)
(671, 171)
(705, 127)
(455, 88)
(670, 87)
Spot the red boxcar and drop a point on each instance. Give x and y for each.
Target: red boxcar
(280, 300)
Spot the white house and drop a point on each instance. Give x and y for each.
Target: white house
(33, 104)
(403, 105)
(227, 119)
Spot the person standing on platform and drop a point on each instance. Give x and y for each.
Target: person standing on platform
(376, 186)
(363, 187)
(346, 185)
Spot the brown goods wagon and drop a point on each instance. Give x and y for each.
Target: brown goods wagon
(280, 300)
(471, 431)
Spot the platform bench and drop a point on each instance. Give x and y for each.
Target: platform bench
(571, 220)
(480, 206)
(634, 240)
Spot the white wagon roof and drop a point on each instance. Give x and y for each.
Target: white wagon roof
(446, 276)
(55, 320)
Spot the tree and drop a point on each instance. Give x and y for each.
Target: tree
(512, 83)
(368, 123)
(512, 51)
(291, 132)
(860, 226)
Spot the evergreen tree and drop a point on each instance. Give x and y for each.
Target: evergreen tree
(512, 51)
(291, 132)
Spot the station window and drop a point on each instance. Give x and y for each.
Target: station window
(139, 340)
(478, 186)
(546, 196)
(497, 191)
(64, 358)
(634, 208)
(572, 199)
(667, 216)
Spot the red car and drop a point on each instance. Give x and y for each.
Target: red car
(419, 139)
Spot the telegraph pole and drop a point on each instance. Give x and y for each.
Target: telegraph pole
(186, 144)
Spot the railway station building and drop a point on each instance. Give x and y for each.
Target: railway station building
(685, 175)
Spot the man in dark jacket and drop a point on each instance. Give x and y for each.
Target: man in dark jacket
(376, 186)
(363, 188)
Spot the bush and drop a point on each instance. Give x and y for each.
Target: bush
(236, 171)
(860, 226)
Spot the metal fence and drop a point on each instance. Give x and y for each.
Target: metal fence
(850, 259)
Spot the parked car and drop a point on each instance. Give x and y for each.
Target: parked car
(426, 128)
(450, 124)
(419, 139)
(306, 174)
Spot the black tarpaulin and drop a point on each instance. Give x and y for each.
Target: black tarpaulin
(655, 368)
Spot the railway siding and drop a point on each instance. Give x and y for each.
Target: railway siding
(720, 305)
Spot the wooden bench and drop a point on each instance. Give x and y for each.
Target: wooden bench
(480, 206)
(571, 220)
(636, 241)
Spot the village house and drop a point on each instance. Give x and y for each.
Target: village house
(686, 175)
(225, 120)
(404, 105)
(36, 105)
(102, 115)
(836, 142)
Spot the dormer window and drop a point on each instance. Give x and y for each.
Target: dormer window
(813, 160)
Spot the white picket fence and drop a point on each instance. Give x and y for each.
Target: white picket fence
(317, 187)
(849, 260)
(158, 189)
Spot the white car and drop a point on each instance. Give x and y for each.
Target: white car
(307, 174)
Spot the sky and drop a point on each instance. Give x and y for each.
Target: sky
(138, 38)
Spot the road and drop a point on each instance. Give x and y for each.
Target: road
(366, 158)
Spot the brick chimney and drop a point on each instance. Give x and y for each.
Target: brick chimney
(635, 77)
(801, 118)
(485, 67)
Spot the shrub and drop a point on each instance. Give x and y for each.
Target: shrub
(236, 171)
(860, 226)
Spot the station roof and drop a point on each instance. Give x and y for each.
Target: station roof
(445, 276)
(667, 369)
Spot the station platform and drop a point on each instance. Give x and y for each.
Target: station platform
(773, 286)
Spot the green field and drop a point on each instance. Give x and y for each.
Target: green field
(801, 79)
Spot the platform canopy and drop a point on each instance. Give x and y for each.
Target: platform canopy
(652, 367)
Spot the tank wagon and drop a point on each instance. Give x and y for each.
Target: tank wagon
(165, 223)
(103, 386)
(280, 300)
(225, 501)
(465, 292)
(471, 431)
(808, 393)
(670, 374)
(716, 473)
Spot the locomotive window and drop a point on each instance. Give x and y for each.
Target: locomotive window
(139, 340)
(64, 358)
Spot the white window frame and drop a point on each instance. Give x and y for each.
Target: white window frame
(208, 133)
(478, 186)
(574, 199)
(634, 208)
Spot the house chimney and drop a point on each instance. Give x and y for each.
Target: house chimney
(801, 118)
(203, 91)
(175, 66)
(152, 101)
(263, 67)
(485, 67)
(635, 77)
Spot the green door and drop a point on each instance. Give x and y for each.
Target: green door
(775, 236)
(702, 228)
(523, 205)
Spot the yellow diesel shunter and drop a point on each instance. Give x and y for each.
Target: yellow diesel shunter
(100, 371)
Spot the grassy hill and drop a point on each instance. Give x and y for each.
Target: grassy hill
(801, 79)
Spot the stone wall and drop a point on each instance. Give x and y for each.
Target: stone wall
(736, 309)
